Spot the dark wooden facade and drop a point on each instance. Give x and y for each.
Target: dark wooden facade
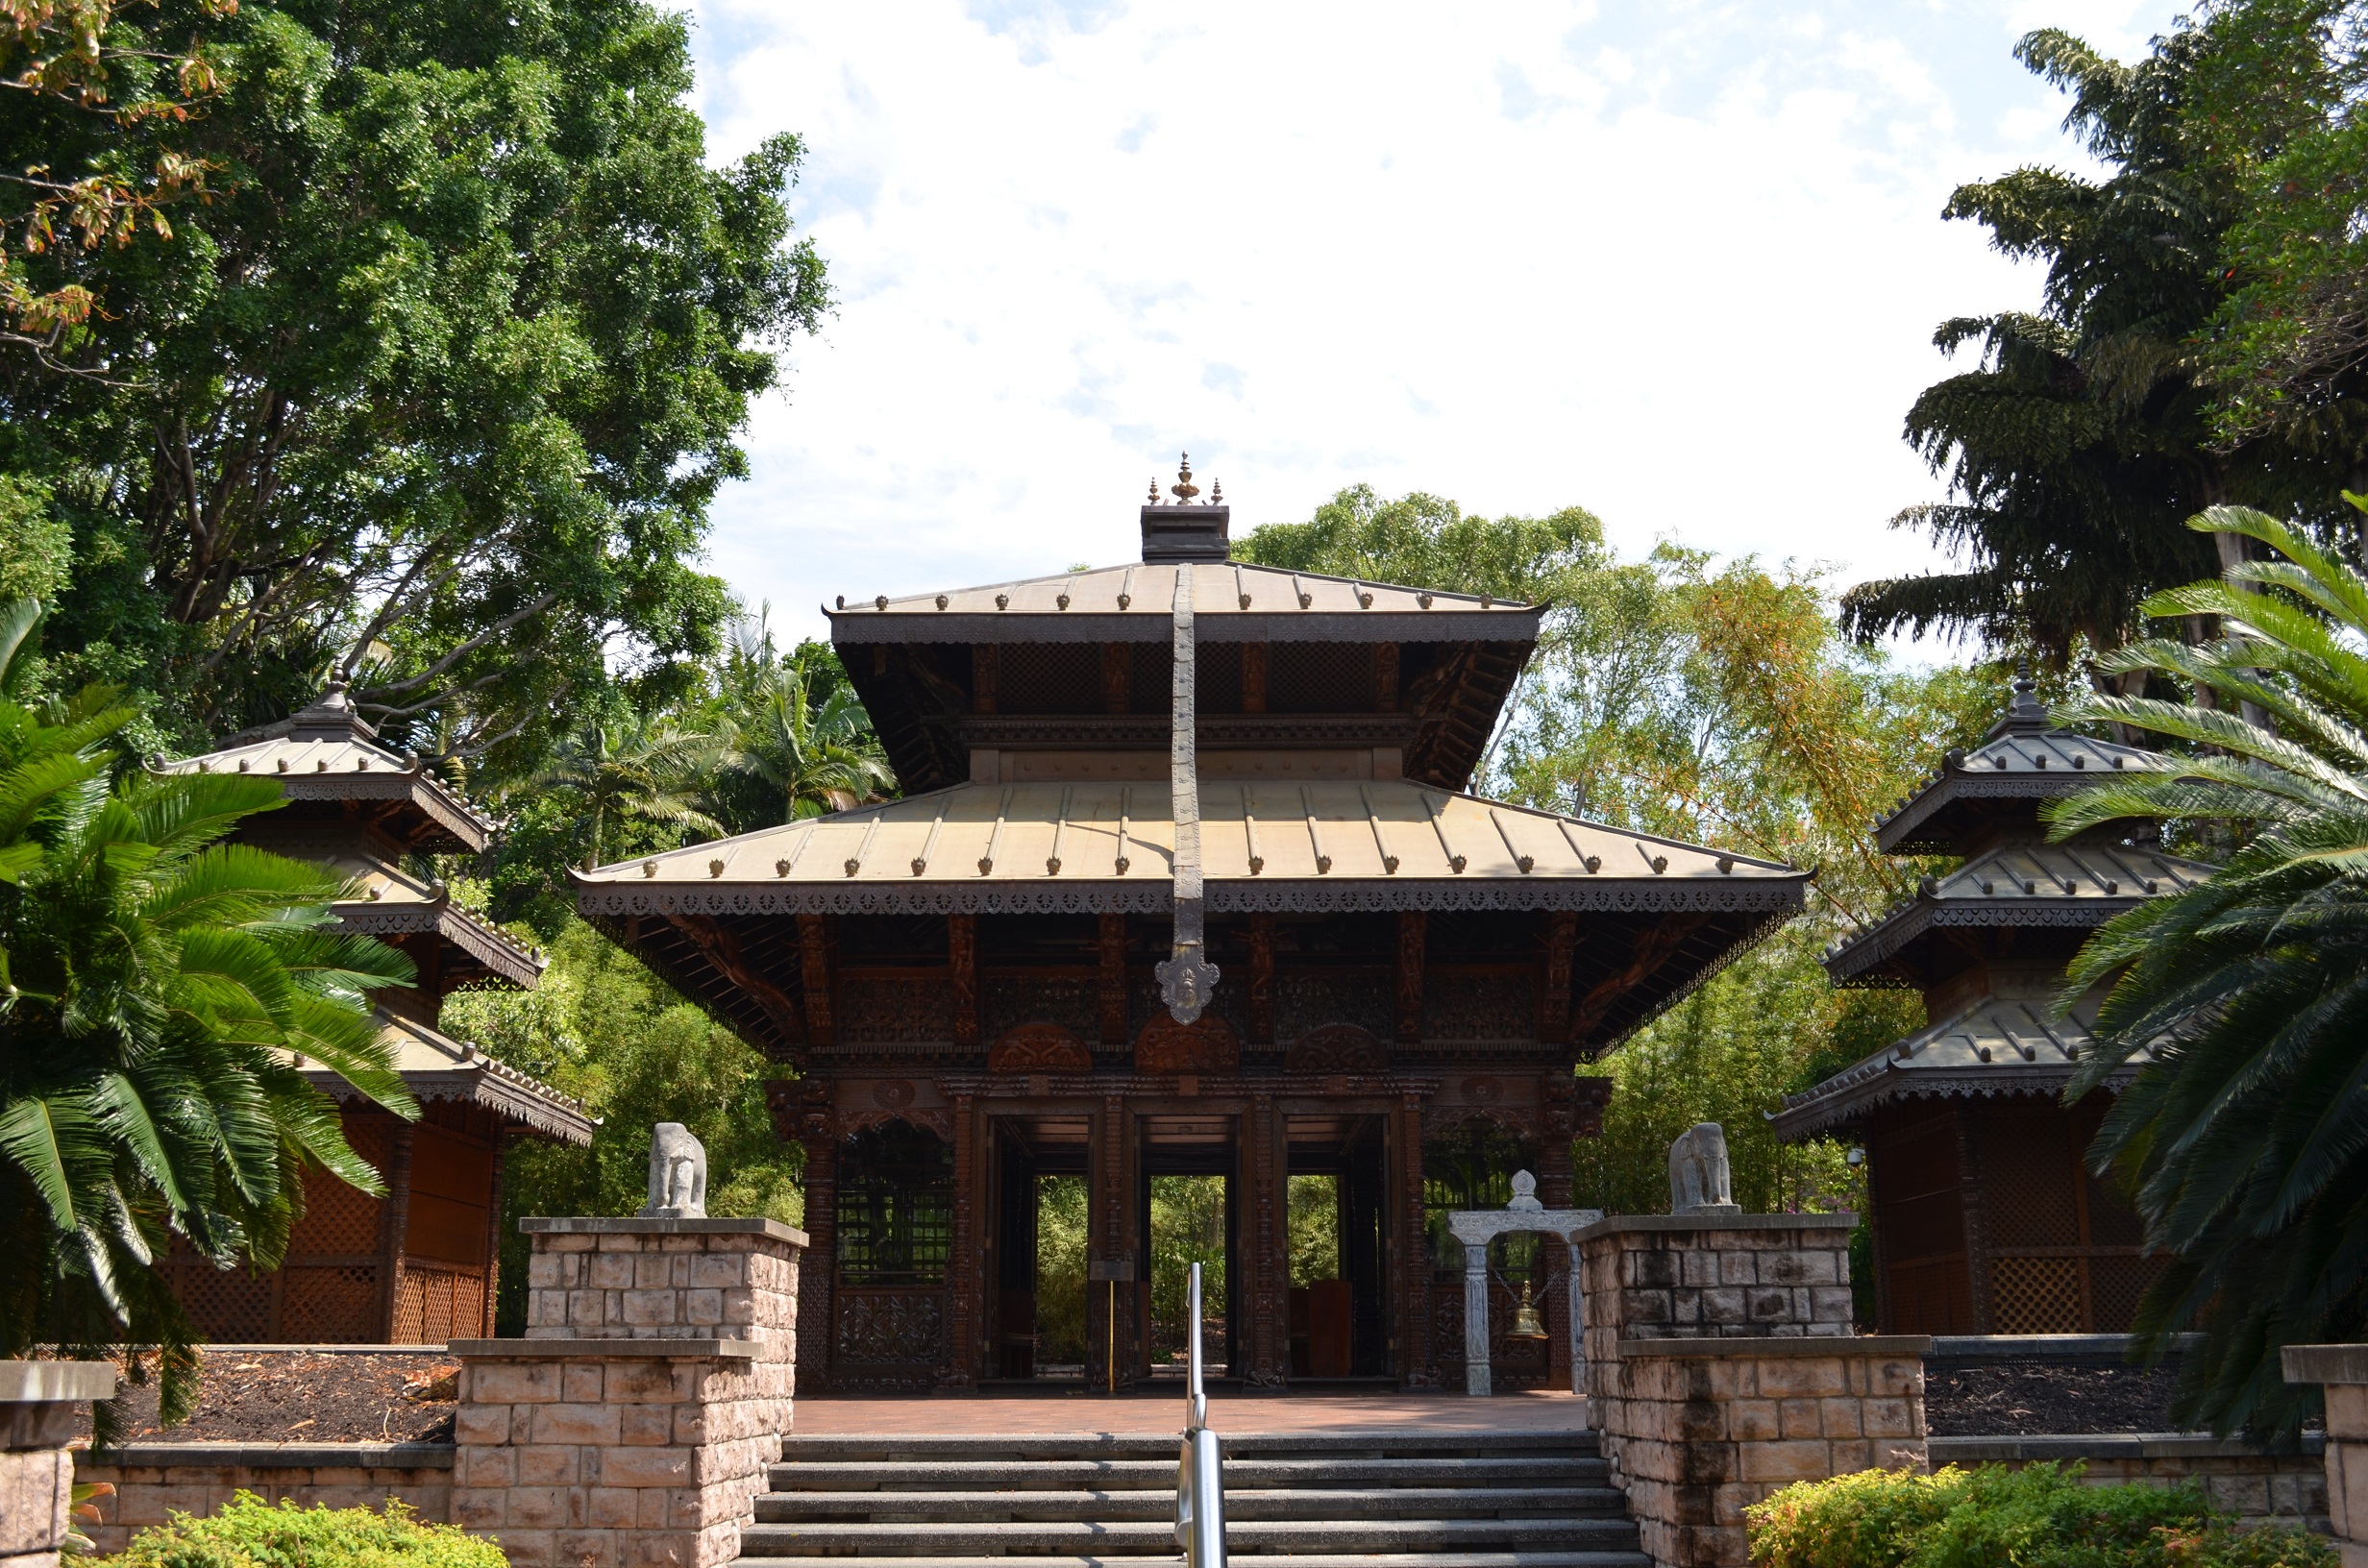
(963, 978)
(1984, 1218)
(420, 1264)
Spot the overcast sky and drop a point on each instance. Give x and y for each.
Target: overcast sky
(1679, 263)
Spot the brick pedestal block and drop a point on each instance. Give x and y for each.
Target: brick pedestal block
(1740, 1276)
(631, 1426)
(1699, 1429)
(39, 1402)
(2344, 1370)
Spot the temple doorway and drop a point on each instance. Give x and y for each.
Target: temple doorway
(1038, 1245)
(1337, 1246)
(1188, 1214)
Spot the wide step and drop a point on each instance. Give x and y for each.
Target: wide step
(1378, 1499)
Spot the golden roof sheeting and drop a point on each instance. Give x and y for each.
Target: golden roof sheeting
(1268, 844)
(435, 1067)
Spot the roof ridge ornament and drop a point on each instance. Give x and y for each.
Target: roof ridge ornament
(1186, 980)
(2026, 714)
(1184, 489)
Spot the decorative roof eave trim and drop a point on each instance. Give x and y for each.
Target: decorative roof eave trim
(1744, 942)
(1501, 625)
(512, 1095)
(1843, 1098)
(490, 948)
(1897, 931)
(1770, 896)
(470, 831)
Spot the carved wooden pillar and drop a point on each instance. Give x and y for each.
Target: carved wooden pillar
(1411, 925)
(1411, 1255)
(1977, 1228)
(1385, 677)
(1253, 677)
(394, 1229)
(1112, 979)
(493, 1233)
(817, 1125)
(1118, 667)
(1262, 979)
(964, 1280)
(814, 959)
(1562, 944)
(1557, 1125)
(1110, 1298)
(962, 962)
(1270, 1322)
(986, 665)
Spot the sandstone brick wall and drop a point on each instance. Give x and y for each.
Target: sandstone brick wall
(40, 1405)
(2343, 1371)
(632, 1425)
(151, 1479)
(1657, 1277)
(1698, 1430)
(2236, 1476)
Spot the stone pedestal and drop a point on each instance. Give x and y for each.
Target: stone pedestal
(1722, 1363)
(631, 1426)
(39, 1406)
(2344, 1370)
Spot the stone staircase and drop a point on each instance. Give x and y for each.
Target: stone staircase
(1381, 1498)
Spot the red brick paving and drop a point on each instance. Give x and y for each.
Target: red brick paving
(822, 1415)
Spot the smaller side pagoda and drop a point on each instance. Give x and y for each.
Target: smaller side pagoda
(420, 1264)
(1985, 1220)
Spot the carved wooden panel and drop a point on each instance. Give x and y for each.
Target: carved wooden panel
(1477, 1007)
(1306, 999)
(1040, 1047)
(1008, 1001)
(884, 1008)
(1337, 1047)
(1262, 979)
(814, 958)
(1117, 664)
(1562, 945)
(893, 1327)
(1206, 1044)
(962, 974)
(1110, 947)
(1231, 1002)
(1408, 988)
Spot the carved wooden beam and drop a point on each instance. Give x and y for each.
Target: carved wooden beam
(814, 953)
(1111, 944)
(962, 960)
(986, 664)
(1562, 942)
(1411, 926)
(1654, 946)
(1385, 677)
(1262, 979)
(1118, 670)
(720, 945)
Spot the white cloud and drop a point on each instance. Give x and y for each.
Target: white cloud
(1678, 266)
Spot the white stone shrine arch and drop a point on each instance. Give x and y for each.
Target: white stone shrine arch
(1476, 1228)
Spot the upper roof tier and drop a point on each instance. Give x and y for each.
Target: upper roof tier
(1078, 662)
(2021, 762)
(329, 752)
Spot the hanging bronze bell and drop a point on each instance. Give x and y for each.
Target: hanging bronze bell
(1526, 1323)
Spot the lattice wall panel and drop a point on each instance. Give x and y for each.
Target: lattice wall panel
(440, 1304)
(229, 1305)
(339, 1222)
(2035, 1295)
(2115, 1284)
(2028, 1178)
(328, 1306)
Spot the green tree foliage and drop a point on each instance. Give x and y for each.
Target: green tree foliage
(157, 980)
(622, 773)
(1713, 703)
(2087, 433)
(602, 1028)
(2243, 1002)
(2040, 1516)
(437, 387)
(1062, 1222)
(795, 740)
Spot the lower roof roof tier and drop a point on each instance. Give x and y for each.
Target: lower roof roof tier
(1108, 846)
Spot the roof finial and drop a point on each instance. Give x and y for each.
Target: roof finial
(1217, 493)
(2024, 710)
(1184, 489)
(1152, 499)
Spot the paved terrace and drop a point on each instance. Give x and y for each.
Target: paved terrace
(1230, 1414)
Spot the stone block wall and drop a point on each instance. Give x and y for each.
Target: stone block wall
(2343, 1369)
(1697, 1430)
(632, 1425)
(40, 1403)
(153, 1480)
(1740, 1276)
(2237, 1478)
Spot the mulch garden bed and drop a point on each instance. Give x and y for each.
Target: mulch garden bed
(2022, 1399)
(295, 1396)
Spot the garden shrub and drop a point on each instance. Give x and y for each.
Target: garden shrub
(2041, 1516)
(249, 1533)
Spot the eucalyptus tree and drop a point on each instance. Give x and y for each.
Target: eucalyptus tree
(2242, 1004)
(159, 984)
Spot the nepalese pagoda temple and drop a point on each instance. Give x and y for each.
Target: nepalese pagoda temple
(1184, 882)
(421, 1263)
(1985, 1217)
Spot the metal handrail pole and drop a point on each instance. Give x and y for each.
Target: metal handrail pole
(1199, 1476)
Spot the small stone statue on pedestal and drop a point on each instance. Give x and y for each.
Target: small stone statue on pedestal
(677, 1174)
(1699, 1181)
